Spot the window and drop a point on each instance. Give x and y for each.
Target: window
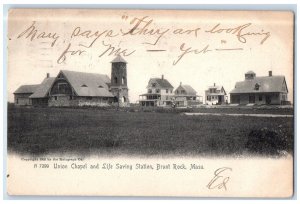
(149, 90)
(157, 90)
(55, 98)
(17, 100)
(83, 85)
(123, 80)
(116, 80)
(182, 91)
(60, 76)
(284, 97)
(167, 91)
(153, 84)
(212, 90)
(63, 88)
(260, 97)
(251, 98)
(171, 91)
(71, 97)
(256, 87)
(100, 86)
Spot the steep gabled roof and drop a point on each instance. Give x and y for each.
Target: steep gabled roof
(95, 84)
(43, 88)
(26, 89)
(162, 83)
(188, 89)
(266, 84)
(218, 88)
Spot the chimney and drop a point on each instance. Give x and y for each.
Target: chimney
(270, 73)
(162, 77)
(48, 75)
(214, 84)
(180, 83)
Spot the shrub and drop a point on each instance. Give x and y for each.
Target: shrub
(268, 142)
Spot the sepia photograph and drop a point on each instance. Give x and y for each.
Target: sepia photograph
(194, 103)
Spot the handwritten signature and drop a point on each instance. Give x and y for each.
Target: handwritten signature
(220, 178)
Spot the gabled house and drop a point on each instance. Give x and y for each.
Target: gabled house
(21, 95)
(186, 96)
(260, 90)
(159, 93)
(215, 95)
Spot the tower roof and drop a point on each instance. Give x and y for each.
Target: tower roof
(118, 59)
(250, 72)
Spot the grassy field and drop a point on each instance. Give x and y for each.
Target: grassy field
(149, 132)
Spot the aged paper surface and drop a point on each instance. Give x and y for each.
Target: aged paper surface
(135, 133)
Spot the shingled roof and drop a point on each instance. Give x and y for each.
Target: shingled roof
(88, 84)
(26, 89)
(162, 83)
(266, 84)
(188, 89)
(43, 88)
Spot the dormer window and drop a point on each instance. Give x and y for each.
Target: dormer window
(256, 87)
(100, 86)
(83, 85)
(153, 84)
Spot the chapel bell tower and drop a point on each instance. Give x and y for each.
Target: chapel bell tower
(118, 84)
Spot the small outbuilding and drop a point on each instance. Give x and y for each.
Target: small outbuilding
(23, 93)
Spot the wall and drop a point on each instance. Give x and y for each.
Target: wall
(120, 93)
(40, 101)
(80, 101)
(22, 99)
(244, 98)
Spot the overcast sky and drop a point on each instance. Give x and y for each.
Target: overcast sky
(220, 46)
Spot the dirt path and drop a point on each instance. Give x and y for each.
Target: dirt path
(251, 115)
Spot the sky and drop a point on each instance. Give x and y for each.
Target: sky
(198, 48)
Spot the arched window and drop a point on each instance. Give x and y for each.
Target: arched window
(123, 80)
(116, 80)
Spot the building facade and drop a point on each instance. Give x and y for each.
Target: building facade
(71, 88)
(159, 93)
(22, 94)
(269, 90)
(186, 96)
(215, 95)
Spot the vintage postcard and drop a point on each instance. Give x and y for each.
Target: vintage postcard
(150, 103)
